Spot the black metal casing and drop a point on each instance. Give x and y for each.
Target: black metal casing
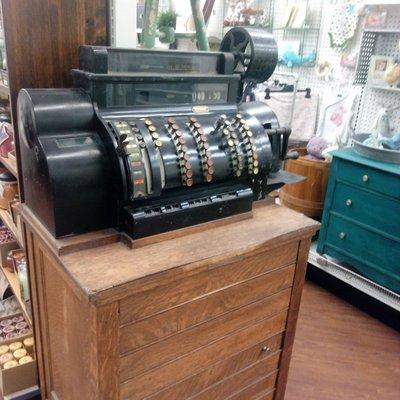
(143, 151)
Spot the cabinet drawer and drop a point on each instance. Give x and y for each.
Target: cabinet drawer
(193, 363)
(255, 379)
(217, 277)
(375, 210)
(364, 246)
(181, 318)
(222, 371)
(369, 178)
(178, 345)
(261, 390)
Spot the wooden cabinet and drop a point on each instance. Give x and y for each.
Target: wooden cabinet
(361, 220)
(208, 315)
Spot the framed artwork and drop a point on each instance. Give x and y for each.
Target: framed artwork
(377, 69)
(376, 19)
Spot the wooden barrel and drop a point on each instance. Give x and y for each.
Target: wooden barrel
(307, 196)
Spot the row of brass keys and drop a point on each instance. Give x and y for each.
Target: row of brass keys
(231, 141)
(153, 132)
(207, 162)
(182, 151)
(249, 145)
(130, 146)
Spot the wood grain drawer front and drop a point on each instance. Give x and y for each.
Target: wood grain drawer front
(221, 371)
(369, 178)
(262, 374)
(192, 339)
(378, 211)
(162, 377)
(355, 242)
(180, 291)
(265, 396)
(258, 390)
(178, 319)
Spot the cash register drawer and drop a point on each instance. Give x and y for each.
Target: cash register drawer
(371, 253)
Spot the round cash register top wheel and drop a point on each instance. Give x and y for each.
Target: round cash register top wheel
(255, 52)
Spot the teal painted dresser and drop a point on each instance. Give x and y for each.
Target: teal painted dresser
(361, 219)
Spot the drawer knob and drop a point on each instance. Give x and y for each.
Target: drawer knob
(265, 349)
(349, 202)
(342, 235)
(365, 178)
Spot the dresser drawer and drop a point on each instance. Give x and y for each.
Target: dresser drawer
(256, 379)
(171, 348)
(216, 277)
(267, 352)
(375, 255)
(166, 375)
(375, 210)
(369, 178)
(203, 309)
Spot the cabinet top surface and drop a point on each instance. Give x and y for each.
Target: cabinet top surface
(110, 266)
(349, 154)
(115, 264)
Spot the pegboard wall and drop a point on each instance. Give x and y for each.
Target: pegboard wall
(341, 80)
(368, 101)
(386, 44)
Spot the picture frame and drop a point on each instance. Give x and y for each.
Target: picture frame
(377, 68)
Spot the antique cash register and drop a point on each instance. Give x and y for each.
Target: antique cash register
(146, 143)
(150, 141)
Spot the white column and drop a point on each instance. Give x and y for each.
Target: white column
(125, 23)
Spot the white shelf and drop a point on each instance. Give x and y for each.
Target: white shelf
(23, 394)
(10, 163)
(13, 281)
(4, 91)
(381, 2)
(387, 88)
(334, 268)
(382, 30)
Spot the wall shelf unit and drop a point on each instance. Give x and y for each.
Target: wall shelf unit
(14, 285)
(35, 62)
(11, 164)
(4, 91)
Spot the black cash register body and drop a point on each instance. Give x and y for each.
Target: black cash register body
(149, 141)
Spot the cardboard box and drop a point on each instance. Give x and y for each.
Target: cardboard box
(18, 378)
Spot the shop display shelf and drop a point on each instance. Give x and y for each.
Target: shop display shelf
(26, 394)
(387, 88)
(382, 30)
(11, 164)
(302, 28)
(4, 91)
(8, 221)
(339, 271)
(12, 279)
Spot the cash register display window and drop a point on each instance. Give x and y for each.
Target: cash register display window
(162, 63)
(145, 94)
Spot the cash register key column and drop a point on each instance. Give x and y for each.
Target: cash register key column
(132, 148)
(230, 142)
(153, 132)
(182, 151)
(249, 145)
(206, 160)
